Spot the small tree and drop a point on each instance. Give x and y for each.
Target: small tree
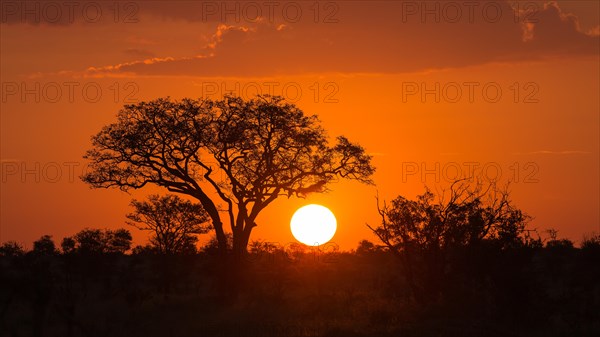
(11, 249)
(68, 245)
(44, 246)
(174, 222)
(591, 242)
(118, 241)
(90, 241)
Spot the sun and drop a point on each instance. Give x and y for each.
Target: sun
(313, 225)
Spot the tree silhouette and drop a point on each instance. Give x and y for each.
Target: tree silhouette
(67, 245)
(11, 249)
(366, 247)
(591, 241)
(96, 241)
(174, 222)
(117, 241)
(44, 246)
(245, 153)
(90, 241)
(424, 232)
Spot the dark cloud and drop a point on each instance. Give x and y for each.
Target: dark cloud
(386, 37)
(254, 39)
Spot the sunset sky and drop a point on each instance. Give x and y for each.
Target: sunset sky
(507, 89)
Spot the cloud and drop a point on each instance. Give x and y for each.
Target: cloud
(560, 33)
(122, 67)
(386, 37)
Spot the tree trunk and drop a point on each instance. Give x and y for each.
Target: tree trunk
(241, 238)
(221, 238)
(237, 240)
(240, 245)
(213, 212)
(247, 232)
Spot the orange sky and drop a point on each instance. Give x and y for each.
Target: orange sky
(424, 89)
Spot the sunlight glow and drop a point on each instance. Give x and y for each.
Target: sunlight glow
(313, 225)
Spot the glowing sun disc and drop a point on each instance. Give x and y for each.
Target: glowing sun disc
(313, 225)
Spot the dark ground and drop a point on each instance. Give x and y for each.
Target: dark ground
(529, 291)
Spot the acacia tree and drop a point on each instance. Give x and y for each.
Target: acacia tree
(243, 154)
(174, 222)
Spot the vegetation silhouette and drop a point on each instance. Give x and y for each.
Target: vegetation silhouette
(475, 270)
(246, 153)
(95, 241)
(174, 222)
(433, 235)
